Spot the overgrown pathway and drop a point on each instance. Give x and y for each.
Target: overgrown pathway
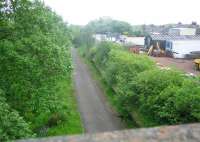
(95, 111)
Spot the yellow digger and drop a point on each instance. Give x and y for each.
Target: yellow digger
(156, 51)
(197, 64)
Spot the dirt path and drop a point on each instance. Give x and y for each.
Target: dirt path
(96, 114)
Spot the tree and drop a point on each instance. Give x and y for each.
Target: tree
(108, 25)
(34, 57)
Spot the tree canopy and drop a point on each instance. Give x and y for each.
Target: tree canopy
(34, 57)
(110, 26)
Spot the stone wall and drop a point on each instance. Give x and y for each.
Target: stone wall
(179, 133)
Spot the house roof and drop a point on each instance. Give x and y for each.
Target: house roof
(174, 37)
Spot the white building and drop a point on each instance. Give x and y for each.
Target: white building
(103, 37)
(135, 41)
(179, 46)
(100, 37)
(182, 31)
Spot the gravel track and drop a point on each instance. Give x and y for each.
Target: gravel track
(96, 114)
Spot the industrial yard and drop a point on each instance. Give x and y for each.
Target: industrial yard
(183, 64)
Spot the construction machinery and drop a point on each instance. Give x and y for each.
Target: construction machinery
(197, 64)
(156, 51)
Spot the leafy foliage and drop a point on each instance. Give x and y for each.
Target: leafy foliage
(107, 25)
(34, 57)
(161, 96)
(12, 125)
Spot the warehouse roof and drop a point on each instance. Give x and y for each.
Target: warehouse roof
(174, 37)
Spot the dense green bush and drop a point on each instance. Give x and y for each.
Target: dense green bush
(178, 104)
(127, 66)
(121, 69)
(34, 57)
(162, 96)
(101, 54)
(12, 125)
(149, 85)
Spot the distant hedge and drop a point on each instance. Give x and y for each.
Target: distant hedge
(162, 96)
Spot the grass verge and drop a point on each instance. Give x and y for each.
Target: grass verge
(73, 123)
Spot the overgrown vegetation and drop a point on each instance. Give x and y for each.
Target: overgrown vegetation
(12, 125)
(144, 92)
(34, 59)
(71, 125)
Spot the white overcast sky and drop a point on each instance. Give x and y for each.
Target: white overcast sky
(80, 12)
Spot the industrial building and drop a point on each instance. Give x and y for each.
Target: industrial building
(178, 43)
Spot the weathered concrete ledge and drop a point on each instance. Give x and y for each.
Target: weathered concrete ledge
(179, 133)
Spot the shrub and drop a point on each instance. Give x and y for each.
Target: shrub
(151, 83)
(34, 57)
(179, 104)
(102, 52)
(12, 125)
(164, 96)
(121, 69)
(127, 65)
(56, 118)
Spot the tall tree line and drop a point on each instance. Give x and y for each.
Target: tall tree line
(34, 56)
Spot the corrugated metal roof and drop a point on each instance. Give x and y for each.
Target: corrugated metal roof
(174, 37)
